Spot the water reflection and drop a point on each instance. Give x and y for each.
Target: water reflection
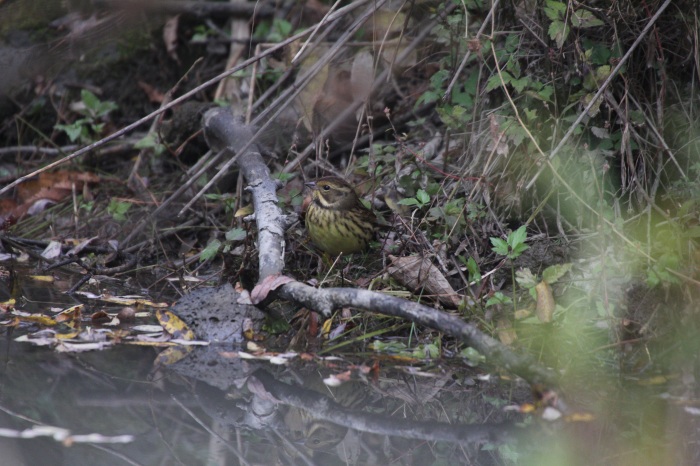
(215, 408)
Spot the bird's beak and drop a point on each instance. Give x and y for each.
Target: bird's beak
(310, 184)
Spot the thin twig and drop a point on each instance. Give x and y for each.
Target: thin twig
(341, 12)
(448, 91)
(287, 97)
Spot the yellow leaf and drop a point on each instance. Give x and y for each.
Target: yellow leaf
(311, 93)
(42, 278)
(506, 332)
(657, 380)
(171, 356)
(579, 417)
(9, 303)
(37, 319)
(545, 302)
(174, 325)
(388, 22)
(71, 316)
(68, 336)
(244, 211)
(326, 329)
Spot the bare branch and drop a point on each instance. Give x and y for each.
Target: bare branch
(224, 133)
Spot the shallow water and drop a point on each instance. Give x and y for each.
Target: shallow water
(215, 406)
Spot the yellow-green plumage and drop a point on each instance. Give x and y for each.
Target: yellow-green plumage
(336, 220)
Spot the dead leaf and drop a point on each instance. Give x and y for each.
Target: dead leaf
(498, 142)
(390, 56)
(545, 302)
(174, 325)
(417, 273)
(244, 211)
(506, 332)
(52, 251)
(40, 319)
(387, 22)
(35, 195)
(243, 295)
(312, 92)
(78, 248)
(361, 77)
(100, 317)
(42, 278)
(314, 11)
(580, 416)
(154, 95)
(270, 283)
(170, 356)
(326, 328)
(170, 37)
(71, 316)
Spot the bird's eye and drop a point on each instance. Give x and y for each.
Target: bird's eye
(326, 187)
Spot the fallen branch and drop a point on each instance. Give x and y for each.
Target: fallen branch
(223, 132)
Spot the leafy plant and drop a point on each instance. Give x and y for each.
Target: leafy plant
(210, 251)
(150, 141)
(423, 351)
(233, 236)
(540, 289)
(91, 125)
(228, 200)
(118, 209)
(513, 246)
(420, 200)
(498, 298)
(275, 31)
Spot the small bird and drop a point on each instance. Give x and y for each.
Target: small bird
(336, 219)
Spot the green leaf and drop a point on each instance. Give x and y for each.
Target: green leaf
(283, 26)
(422, 197)
(599, 54)
(427, 97)
(520, 84)
(472, 355)
(498, 298)
(96, 108)
(473, 269)
(554, 9)
(512, 42)
(89, 99)
(517, 237)
(73, 131)
(437, 80)
(118, 209)
(517, 250)
(235, 234)
(210, 251)
(553, 273)
(409, 201)
(147, 141)
(546, 93)
(462, 99)
(585, 19)
(494, 82)
(525, 278)
(284, 176)
(500, 247)
(558, 32)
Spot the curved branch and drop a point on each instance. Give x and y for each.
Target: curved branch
(223, 132)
